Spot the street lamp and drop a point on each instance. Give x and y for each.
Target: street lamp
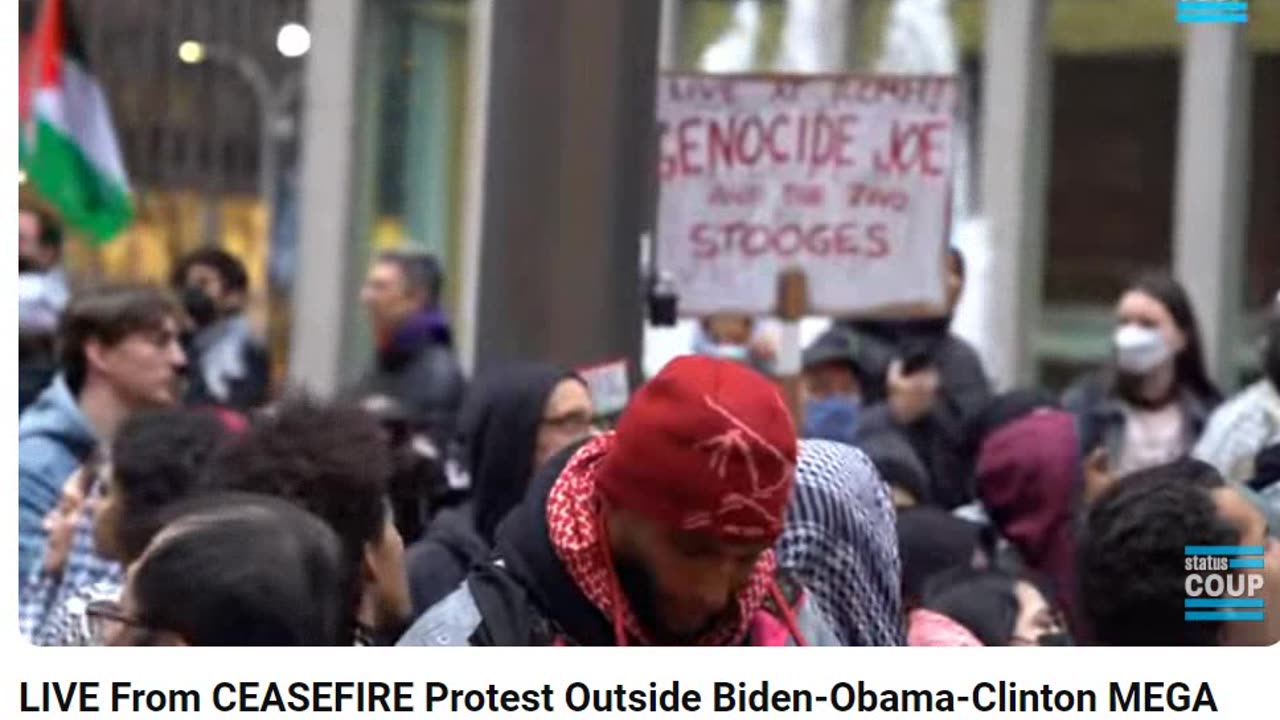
(191, 52)
(293, 40)
(273, 100)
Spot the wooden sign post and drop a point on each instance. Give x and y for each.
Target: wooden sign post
(793, 305)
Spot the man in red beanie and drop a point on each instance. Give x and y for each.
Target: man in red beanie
(659, 533)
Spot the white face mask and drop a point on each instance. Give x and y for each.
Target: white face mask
(725, 351)
(1139, 350)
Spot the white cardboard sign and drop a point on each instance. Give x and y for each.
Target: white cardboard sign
(845, 177)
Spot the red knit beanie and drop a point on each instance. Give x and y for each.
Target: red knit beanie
(707, 445)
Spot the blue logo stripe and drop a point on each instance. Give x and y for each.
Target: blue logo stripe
(1202, 19)
(1224, 550)
(1190, 5)
(1223, 616)
(1223, 603)
(1247, 563)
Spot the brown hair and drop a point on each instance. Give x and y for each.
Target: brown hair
(109, 314)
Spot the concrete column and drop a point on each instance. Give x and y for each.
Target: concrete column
(568, 180)
(1211, 208)
(479, 43)
(322, 294)
(1015, 161)
(669, 35)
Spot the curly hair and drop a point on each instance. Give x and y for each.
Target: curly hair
(1132, 575)
(158, 457)
(228, 267)
(330, 458)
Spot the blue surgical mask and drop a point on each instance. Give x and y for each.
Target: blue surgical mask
(831, 418)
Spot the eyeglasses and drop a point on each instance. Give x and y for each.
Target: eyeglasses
(573, 421)
(106, 619)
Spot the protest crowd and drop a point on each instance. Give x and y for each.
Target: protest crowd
(166, 499)
(203, 460)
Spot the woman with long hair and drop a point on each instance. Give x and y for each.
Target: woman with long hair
(1150, 403)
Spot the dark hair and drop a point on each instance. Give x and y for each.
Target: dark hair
(498, 427)
(932, 541)
(228, 266)
(330, 458)
(984, 601)
(157, 458)
(1190, 367)
(242, 570)
(1131, 569)
(421, 271)
(109, 314)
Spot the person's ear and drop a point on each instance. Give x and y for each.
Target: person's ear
(369, 565)
(95, 354)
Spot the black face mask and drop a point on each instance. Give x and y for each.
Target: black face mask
(199, 306)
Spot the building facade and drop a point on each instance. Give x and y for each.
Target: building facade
(1107, 139)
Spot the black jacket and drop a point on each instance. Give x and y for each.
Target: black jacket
(498, 431)
(439, 562)
(426, 380)
(940, 439)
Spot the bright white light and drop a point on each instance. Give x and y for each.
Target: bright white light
(22, 177)
(191, 52)
(293, 40)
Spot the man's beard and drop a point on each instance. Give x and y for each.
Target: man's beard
(641, 591)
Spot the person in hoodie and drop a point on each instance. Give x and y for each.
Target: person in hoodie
(415, 362)
(658, 533)
(120, 353)
(1030, 482)
(1151, 402)
(514, 420)
(927, 386)
(833, 381)
(840, 542)
(231, 366)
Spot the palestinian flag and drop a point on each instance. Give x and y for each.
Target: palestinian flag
(68, 145)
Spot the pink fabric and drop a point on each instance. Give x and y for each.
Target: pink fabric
(926, 628)
(767, 630)
(1029, 477)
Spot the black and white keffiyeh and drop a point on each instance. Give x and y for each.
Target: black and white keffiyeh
(841, 542)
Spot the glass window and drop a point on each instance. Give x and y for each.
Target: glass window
(413, 117)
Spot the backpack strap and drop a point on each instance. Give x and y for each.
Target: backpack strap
(508, 616)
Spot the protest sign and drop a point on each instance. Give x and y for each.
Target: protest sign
(847, 178)
(608, 385)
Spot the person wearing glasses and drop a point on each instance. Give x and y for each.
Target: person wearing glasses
(515, 419)
(232, 570)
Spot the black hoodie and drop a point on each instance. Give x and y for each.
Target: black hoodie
(499, 430)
